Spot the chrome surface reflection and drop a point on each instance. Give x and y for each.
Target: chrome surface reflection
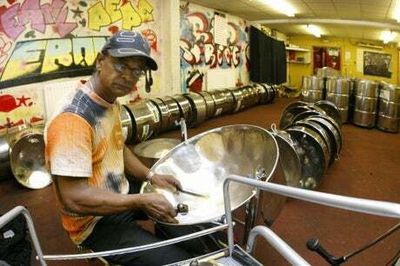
(203, 162)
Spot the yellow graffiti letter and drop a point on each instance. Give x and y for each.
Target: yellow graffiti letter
(145, 10)
(58, 55)
(112, 8)
(24, 60)
(98, 17)
(130, 18)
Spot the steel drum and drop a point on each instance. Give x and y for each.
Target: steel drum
(314, 154)
(146, 117)
(27, 159)
(164, 113)
(5, 170)
(330, 109)
(291, 111)
(203, 162)
(126, 121)
(199, 107)
(151, 151)
(289, 157)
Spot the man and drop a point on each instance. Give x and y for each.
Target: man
(88, 160)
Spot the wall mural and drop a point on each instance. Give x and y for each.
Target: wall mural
(199, 52)
(46, 40)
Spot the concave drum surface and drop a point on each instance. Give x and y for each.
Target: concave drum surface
(289, 157)
(27, 160)
(150, 151)
(203, 162)
(313, 155)
(291, 111)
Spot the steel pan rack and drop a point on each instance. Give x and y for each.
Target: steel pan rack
(233, 254)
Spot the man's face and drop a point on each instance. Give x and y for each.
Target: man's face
(118, 76)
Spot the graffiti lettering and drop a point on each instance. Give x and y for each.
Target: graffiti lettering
(47, 56)
(199, 46)
(15, 19)
(210, 55)
(100, 16)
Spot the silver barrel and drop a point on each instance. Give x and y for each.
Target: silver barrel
(313, 88)
(338, 92)
(389, 108)
(366, 103)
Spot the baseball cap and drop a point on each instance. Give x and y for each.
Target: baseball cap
(129, 43)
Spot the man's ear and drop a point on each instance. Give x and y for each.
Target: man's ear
(99, 61)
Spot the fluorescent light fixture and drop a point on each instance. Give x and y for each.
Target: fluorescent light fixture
(388, 36)
(396, 11)
(314, 30)
(282, 7)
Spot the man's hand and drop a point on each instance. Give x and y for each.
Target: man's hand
(165, 181)
(158, 207)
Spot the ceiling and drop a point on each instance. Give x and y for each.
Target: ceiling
(356, 19)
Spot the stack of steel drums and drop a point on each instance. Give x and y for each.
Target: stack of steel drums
(365, 103)
(309, 140)
(389, 108)
(150, 117)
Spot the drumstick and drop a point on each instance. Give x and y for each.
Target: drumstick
(190, 192)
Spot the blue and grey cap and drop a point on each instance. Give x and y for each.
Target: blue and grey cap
(129, 43)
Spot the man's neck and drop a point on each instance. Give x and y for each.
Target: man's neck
(96, 86)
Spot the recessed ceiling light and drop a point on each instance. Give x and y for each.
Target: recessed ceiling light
(388, 36)
(282, 7)
(314, 30)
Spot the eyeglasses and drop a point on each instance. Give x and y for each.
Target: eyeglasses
(135, 72)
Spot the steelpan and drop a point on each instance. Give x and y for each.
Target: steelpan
(27, 159)
(203, 162)
(151, 151)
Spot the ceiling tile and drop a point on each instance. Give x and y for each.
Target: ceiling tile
(370, 10)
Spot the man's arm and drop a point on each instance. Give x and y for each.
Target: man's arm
(133, 166)
(78, 197)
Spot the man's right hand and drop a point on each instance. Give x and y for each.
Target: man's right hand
(158, 207)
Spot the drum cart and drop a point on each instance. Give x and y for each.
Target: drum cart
(233, 254)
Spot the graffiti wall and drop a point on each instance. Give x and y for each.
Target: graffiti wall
(200, 52)
(52, 39)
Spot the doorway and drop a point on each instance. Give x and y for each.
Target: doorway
(326, 57)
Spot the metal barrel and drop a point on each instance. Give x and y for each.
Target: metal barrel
(389, 108)
(313, 88)
(365, 103)
(338, 92)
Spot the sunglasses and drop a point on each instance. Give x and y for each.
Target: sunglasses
(134, 72)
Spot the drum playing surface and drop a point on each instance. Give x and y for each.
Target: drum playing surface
(203, 162)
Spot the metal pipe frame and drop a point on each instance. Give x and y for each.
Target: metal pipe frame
(374, 207)
(12, 214)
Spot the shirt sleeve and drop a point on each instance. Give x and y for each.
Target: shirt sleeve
(69, 146)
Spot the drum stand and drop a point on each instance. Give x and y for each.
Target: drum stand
(233, 254)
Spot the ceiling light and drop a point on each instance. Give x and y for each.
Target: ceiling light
(388, 36)
(314, 30)
(282, 7)
(396, 11)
